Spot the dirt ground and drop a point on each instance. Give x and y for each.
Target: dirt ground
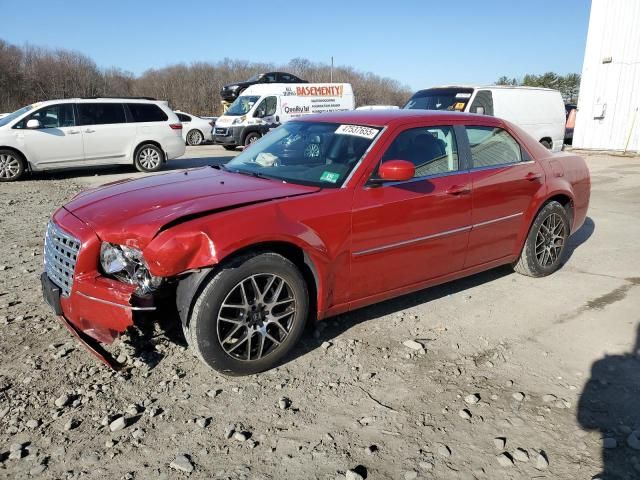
(519, 378)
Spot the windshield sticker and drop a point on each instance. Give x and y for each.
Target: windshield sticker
(463, 95)
(357, 131)
(330, 177)
(459, 106)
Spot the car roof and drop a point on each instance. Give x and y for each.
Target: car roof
(97, 100)
(381, 118)
(490, 87)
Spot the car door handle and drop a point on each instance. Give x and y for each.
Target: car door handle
(89, 130)
(74, 132)
(459, 190)
(531, 176)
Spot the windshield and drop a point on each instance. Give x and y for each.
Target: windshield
(308, 153)
(242, 105)
(12, 116)
(440, 99)
(254, 78)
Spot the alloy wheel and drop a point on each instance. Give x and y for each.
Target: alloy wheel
(550, 240)
(195, 137)
(9, 166)
(256, 317)
(149, 158)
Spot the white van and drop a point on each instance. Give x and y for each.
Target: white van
(263, 107)
(85, 132)
(538, 111)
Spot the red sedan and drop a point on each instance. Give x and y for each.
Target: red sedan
(325, 214)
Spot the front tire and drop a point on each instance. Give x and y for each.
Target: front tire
(546, 144)
(251, 138)
(249, 315)
(148, 158)
(545, 244)
(194, 137)
(12, 166)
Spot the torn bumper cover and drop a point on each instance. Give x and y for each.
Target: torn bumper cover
(96, 309)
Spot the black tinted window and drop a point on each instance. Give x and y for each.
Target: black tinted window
(183, 118)
(101, 113)
(53, 116)
(146, 112)
(492, 146)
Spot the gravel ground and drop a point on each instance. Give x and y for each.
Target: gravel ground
(497, 376)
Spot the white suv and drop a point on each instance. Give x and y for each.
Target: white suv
(83, 132)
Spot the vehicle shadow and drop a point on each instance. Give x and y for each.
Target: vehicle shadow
(172, 165)
(609, 405)
(327, 330)
(583, 234)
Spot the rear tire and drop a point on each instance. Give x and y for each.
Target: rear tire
(249, 315)
(12, 166)
(546, 144)
(545, 244)
(194, 137)
(148, 158)
(251, 137)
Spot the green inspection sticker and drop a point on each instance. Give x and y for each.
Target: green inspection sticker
(330, 177)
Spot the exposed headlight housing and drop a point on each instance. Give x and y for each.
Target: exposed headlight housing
(128, 265)
(239, 120)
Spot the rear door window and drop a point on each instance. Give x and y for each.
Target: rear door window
(53, 116)
(492, 146)
(146, 112)
(101, 113)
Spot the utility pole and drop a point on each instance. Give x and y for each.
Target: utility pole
(331, 69)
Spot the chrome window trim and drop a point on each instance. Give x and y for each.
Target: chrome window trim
(434, 235)
(501, 165)
(417, 179)
(107, 302)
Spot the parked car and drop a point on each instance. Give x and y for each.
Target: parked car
(389, 202)
(262, 108)
(230, 92)
(195, 130)
(86, 132)
(539, 111)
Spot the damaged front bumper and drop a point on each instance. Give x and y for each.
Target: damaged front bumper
(95, 308)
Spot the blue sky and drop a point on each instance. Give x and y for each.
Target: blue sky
(420, 43)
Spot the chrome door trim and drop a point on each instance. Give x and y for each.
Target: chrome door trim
(434, 235)
(496, 220)
(411, 241)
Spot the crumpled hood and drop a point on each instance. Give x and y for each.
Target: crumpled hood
(132, 211)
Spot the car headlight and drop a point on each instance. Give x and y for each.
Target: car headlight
(128, 265)
(237, 121)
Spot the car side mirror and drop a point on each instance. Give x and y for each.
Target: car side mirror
(394, 171)
(33, 123)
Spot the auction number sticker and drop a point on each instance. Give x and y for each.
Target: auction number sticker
(357, 131)
(330, 177)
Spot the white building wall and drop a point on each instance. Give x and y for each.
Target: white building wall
(608, 116)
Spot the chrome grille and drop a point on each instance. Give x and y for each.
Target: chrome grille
(60, 255)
